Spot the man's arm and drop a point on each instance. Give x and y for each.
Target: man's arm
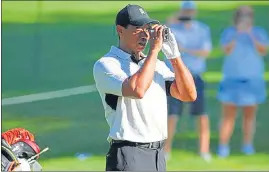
(136, 85)
(183, 87)
(111, 79)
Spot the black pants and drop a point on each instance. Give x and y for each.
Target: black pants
(130, 157)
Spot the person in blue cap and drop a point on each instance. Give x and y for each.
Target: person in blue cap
(243, 84)
(194, 41)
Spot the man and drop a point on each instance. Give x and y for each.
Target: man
(194, 42)
(133, 90)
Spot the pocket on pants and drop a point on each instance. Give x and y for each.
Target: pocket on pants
(146, 159)
(115, 159)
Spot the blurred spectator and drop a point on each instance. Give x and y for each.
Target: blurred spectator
(194, 41)
(243, 84)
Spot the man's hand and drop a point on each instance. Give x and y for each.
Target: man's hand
(170, 47)
(156, 39)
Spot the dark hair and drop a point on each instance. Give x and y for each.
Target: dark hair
(125, 26)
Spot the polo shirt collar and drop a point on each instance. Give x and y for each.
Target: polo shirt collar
(124, 55)
(119, 53)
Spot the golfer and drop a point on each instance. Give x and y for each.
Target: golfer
(133, 88)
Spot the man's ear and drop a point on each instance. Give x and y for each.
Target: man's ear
(119, 29)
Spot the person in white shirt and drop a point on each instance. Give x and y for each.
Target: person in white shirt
(133, 88)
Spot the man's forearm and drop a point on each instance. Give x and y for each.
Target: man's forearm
(200, 52)
(184, 80)
(142, 79)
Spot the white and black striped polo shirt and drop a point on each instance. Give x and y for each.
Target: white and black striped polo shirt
(138, 120)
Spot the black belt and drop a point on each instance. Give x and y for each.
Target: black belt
(151, 145)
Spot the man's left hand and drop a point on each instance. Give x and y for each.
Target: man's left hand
(170, 47)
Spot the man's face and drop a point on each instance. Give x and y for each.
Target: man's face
(187, 13)
(135, 38)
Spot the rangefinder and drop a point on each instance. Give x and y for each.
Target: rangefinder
(165, 33)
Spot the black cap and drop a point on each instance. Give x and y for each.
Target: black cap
(134, 15)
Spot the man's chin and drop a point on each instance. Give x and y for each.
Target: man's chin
(141, 47)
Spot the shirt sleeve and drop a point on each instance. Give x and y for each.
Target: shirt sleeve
(226, 36)
(109, 77)
(262, 36)
(207, 44)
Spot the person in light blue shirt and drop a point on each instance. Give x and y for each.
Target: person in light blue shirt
(194, 41)
(243, 84)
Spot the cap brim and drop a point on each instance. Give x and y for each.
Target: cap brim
(144, 21)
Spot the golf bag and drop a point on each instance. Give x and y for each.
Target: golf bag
(19, 151)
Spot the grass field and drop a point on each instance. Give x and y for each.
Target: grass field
(55, 49)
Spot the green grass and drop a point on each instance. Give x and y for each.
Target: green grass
(183, 161)
(57, 51)
(77, 124)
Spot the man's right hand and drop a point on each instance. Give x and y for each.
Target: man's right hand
(137, 85)
(156, 38)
